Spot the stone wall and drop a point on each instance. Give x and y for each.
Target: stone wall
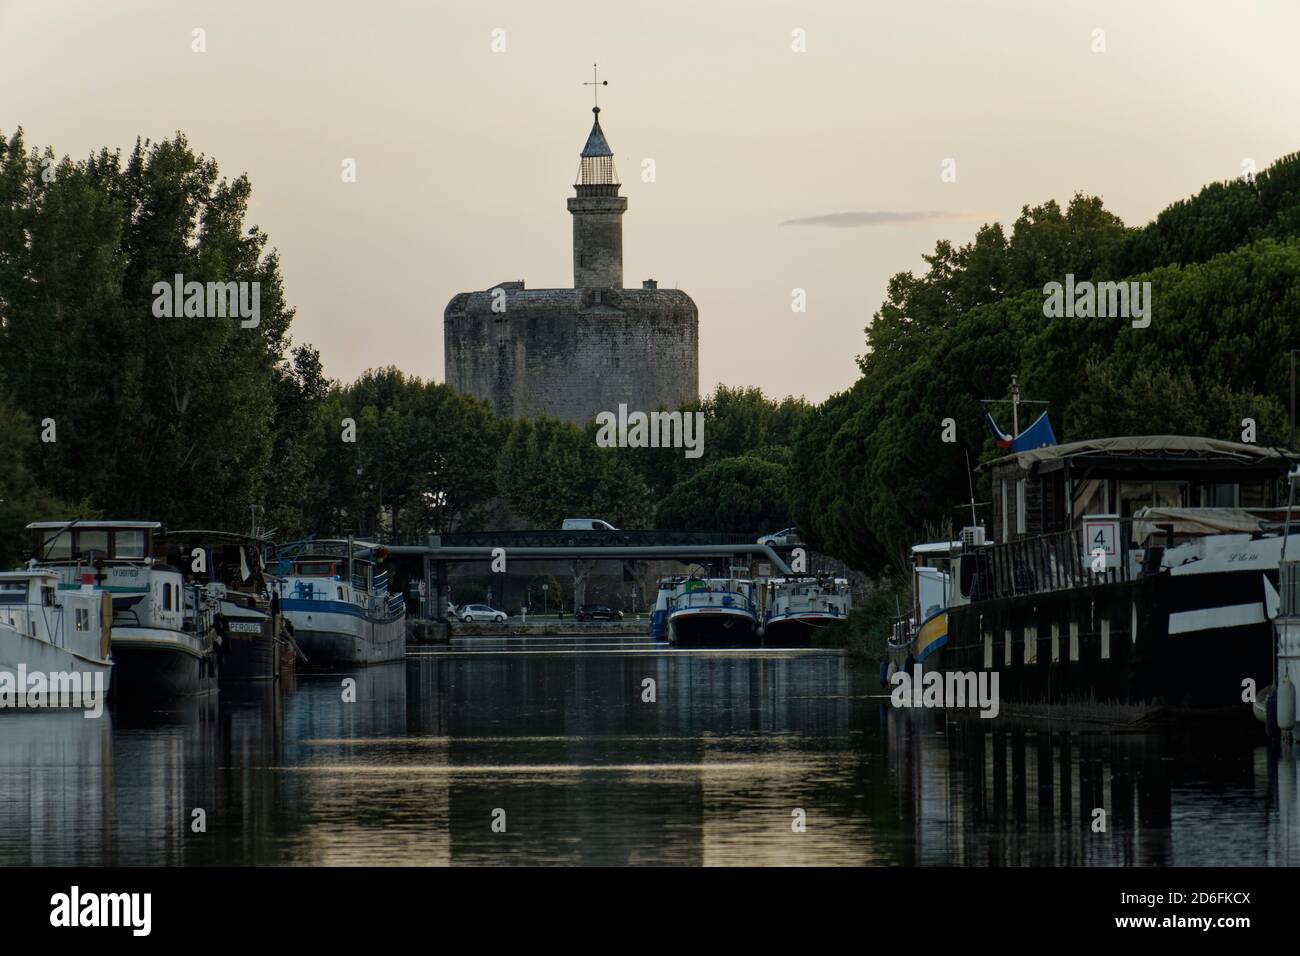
(571, 353)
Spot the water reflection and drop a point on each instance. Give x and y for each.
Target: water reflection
(411, 762)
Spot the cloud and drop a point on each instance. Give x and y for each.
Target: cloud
(854, 220)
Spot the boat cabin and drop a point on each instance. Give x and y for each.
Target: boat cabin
(88, 542)
(1052, 489)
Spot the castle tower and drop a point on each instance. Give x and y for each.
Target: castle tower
(574, 353)
(597, 216)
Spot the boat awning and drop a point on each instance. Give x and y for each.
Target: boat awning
(1149, 450)
(1197, 521)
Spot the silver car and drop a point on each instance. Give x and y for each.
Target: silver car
(481, 612)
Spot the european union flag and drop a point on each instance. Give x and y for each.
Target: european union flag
(1037, 435)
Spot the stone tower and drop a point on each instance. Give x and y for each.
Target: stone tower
(597, 216)
(572, 353)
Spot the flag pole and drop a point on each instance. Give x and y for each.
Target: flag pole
(1015, 407)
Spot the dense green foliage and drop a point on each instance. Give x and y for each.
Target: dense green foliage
(732, 494)
(203, 422)
(1224, 269)
(20, 495)
(198, 420)
(865, 632)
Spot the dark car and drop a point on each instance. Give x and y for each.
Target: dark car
(598, 612)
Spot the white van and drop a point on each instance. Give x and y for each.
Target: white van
(586, 524)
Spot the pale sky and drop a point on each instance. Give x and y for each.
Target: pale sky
(465, 156)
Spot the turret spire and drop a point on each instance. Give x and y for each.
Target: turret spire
(597, 210)
(597, 165)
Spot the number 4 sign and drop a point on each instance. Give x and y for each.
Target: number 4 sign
(1101, 533)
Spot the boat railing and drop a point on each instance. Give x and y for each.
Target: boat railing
(703, 597)
(900, 631)
(1058, 561)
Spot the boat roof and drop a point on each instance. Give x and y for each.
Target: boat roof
(28, 574)
(231, 535)
(1190, 448)
(82, 525)
(936, 547)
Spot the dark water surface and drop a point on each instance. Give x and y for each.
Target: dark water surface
(554, 732)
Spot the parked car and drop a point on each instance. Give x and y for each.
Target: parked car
(586, 524)
(785, 538)
(597, 612)
(480, 612)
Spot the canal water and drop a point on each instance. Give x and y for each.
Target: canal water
(550, 751)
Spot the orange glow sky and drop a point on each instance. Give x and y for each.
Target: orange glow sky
(465, 157)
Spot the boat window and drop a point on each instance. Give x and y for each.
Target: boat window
(58, 544)
(1169, 494)
(1254, 494)
(128, 544)
(1020, 506)
(1223, 494)
(13, 592)
(1090, 497)
(315, 568)
(1006, 527)
(83, 619)
(92, 541)
(1133, 495)
(340, 593)
(167, 597)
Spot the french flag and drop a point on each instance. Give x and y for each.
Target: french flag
(1000, 438)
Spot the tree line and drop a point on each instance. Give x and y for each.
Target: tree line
(1224, 268)
(106, 409)
(207, 423)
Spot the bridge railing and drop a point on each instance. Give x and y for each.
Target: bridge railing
(562, 539)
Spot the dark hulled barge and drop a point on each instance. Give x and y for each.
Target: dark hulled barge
(1138, 573)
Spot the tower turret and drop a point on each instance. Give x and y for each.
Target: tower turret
(597, 216)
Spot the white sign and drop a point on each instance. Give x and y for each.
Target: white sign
(1101, 533)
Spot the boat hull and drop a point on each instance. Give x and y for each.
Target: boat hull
(33, 655)
(796, 630)
(711, 627)
(156, 664)
(249, 657)
(249, 651)
(1159, 643)
(332, 639)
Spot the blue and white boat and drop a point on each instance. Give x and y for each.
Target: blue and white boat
(663, 601)
(713, 612)
(798, 607)
(341, 611)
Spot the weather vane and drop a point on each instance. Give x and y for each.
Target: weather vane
(597, 84)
